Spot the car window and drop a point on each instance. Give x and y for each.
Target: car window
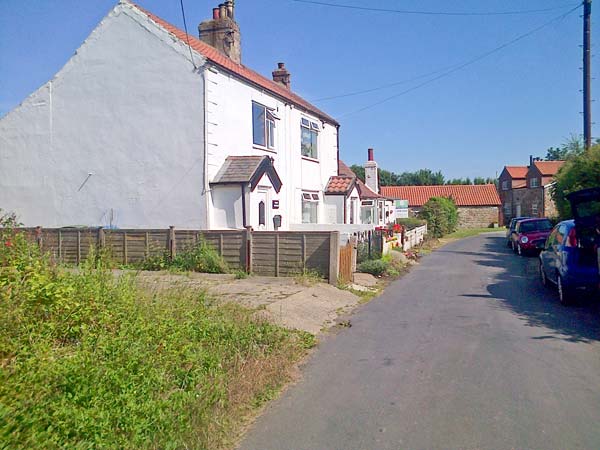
(552, 238)
(535, 225)
(561, 234)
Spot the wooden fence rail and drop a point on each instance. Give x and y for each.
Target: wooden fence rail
(262, 253)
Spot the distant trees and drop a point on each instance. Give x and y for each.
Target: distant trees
(422, 177)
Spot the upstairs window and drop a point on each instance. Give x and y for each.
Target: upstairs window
(310, 207)
(309, 138)
(505, 185)
(535, 182)
(263, 126)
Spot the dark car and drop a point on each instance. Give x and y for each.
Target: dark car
(530, 235)
(511, 229)
(570, 257)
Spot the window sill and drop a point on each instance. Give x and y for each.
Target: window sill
(264, 149)
(307, 158)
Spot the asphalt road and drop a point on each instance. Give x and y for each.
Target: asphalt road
(467, 351)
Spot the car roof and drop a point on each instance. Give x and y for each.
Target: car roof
(534, 219)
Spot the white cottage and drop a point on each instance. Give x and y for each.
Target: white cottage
(140, 129)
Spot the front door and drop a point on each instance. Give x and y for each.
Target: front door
(261, 215)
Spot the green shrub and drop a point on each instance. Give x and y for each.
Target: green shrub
(200, 258)
(411, 223)
(376, 267)
(579, 172)
(87, 360)
(441, 215)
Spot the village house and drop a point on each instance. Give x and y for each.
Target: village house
(527, 190)
(478, 205)
(148, 127)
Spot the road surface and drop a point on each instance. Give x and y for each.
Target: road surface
(467, 351)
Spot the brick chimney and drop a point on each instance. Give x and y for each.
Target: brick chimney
(282, 76)
(222, 31)
(372, 172)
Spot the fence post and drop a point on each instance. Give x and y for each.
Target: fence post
(78, 247)
(276, 254)
(303, 251)
(334, 257)
(101, 238)
(171, 242)
(248, 236)
(38, 236)
(125, 258)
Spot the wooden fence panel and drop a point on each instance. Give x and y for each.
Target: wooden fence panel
(346, 256)
(271, 253)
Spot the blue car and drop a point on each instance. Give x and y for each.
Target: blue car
(570, 257)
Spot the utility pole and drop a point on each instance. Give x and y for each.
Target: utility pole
(587, 77)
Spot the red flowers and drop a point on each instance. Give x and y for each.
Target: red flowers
(8, 243)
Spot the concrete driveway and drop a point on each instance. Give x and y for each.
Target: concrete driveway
(467, 351)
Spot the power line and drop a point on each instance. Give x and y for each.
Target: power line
(467, 63)
(187, 36)
(429, 13)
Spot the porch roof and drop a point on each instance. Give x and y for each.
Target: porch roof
(247, 170)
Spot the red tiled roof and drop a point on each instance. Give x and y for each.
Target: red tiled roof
(517, 171)
(548, 168)
(463, 195)
(240, 70)
(340, 185)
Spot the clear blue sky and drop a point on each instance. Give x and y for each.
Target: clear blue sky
(498, 111)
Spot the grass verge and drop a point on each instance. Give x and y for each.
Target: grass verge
(88, 360)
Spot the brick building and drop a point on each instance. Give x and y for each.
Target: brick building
(527, 190)
(478, 205)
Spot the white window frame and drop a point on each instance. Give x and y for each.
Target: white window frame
(534, 182)
(534, 209)
(268, 127)
(311, 199)
(505, 185)
(314, 129)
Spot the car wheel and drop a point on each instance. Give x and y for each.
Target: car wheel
(543, 276)
(564, 294)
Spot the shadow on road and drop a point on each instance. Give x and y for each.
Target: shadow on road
(517, 288)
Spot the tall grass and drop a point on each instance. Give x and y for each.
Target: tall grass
(87, 360)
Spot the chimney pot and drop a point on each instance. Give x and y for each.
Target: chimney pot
(222, 32)
(216, 13)
(229, 6)
(282, 76)
(222, 11)
(370, 153)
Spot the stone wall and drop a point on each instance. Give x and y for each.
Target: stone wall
(477, 216)
(549, 205)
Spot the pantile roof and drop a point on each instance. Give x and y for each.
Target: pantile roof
(548, 168)
(517, 171)
(340, 185)
(240, 70)
(463, 195)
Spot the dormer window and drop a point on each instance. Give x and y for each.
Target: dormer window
(263, 126)
(535, 182)
(309, 138)
(505, 185)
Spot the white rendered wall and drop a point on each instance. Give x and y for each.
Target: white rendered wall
(227, 207)
(127, 108)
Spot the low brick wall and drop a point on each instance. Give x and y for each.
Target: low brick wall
(477, 216)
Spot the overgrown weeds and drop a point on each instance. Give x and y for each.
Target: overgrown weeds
(87, 360)
(199, 258)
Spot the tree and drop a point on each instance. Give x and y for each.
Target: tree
(579, 172)
(441, 215)
(572, 146)
(359, 171)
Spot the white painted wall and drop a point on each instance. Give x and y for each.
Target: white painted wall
(334, 209)
(128, 108)
(227, 207)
